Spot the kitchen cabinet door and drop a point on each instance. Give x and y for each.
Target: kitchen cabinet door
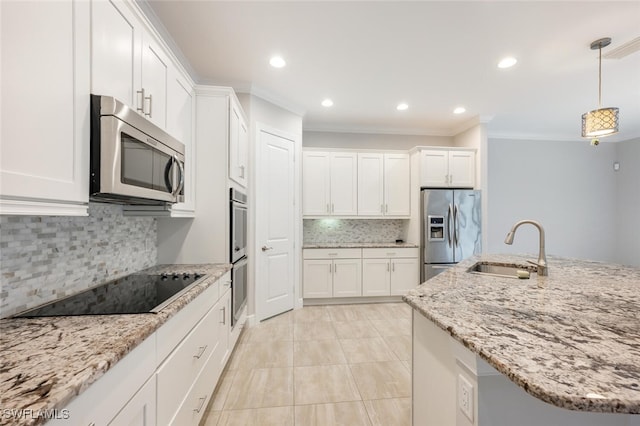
(116, 49)
(238, 146)
(141, 409)
(317, 278)
(45, 80)
(405, 275)
(462, 169)
(434, 168)
(154, 77)
(397, 185)
(347, 277)
(344, 184)
(376, 277)
(180, 123)
(371, 174)
(316, 181)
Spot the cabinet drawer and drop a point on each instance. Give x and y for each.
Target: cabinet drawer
(390, 252)
(195, 404)
(171, 333)
(178, 373)
(341, 253)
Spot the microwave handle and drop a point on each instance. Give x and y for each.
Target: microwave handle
(181, 169)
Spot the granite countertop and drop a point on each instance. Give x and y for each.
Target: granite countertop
(46, 362)
(571, 339)
(358, 245)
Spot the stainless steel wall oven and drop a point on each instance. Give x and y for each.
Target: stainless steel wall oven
(238, 252)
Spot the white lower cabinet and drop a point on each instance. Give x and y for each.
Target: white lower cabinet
(332, 273)
(389, 271)
(170, 377)
(141, 409)
(355, 272)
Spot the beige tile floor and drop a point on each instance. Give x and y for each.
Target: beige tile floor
(320, 365)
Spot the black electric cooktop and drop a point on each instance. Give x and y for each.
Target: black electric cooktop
(133, 294)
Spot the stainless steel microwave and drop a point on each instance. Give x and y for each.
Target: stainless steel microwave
(133, 161)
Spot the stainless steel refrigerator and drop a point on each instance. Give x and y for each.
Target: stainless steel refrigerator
(451, 228)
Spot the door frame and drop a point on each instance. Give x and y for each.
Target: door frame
(297, 216)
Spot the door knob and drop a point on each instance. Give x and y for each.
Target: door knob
(265, 248)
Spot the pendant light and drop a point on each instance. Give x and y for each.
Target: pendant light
(602, 121)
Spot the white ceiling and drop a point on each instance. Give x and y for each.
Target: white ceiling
(370, 56)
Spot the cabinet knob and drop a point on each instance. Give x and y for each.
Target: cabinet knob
(201, 404)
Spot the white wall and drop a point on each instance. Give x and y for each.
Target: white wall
(628, 192)
(370, 141)
(570, 187)
(263, 113)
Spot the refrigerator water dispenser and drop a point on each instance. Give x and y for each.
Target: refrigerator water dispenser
(436, 228)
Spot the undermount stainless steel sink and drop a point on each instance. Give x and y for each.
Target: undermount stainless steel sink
(501, 270)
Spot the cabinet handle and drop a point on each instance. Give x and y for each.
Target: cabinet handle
(150, 106)
(224, 315)
(332, 208)
(201, 350)
(328, 211)
(202, 400)
(393, 253)
(242, 172)
(393, 267)
(330, 268)
(386, 208)
(141, 108)
(332, 254)
(387, 266)
(335, 269)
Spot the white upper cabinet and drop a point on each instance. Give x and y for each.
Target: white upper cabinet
(447, 168)
(344, 183)
(330, 184)
(155, 78)
(45, 82)
(180, 123)
(127, 62)
(116, 40)
(384, 184)
(238, 145)
(316, 183)
(370, 184)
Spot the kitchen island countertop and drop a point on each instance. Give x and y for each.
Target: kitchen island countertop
(571, 339)
(46, 362)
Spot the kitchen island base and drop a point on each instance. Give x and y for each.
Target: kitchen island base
(440, 364)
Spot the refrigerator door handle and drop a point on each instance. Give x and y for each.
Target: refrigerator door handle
(455, 225)
(449, 214)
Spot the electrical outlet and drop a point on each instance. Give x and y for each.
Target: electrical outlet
(465, 397)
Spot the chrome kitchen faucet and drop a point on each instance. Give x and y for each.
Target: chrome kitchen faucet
(543, 269)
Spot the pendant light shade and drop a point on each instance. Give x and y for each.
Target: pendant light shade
(602, 121)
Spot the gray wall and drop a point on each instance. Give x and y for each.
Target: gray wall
(628, 192)
(570, 187)
(47, 257)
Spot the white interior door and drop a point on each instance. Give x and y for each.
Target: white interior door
(275, 221)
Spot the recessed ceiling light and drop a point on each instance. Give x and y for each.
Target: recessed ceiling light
(327, 103)
(507, 62)
(459, 110)
(277, 62)
(402, 107)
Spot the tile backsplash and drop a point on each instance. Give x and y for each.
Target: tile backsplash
(352, 230)
(45, 257)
